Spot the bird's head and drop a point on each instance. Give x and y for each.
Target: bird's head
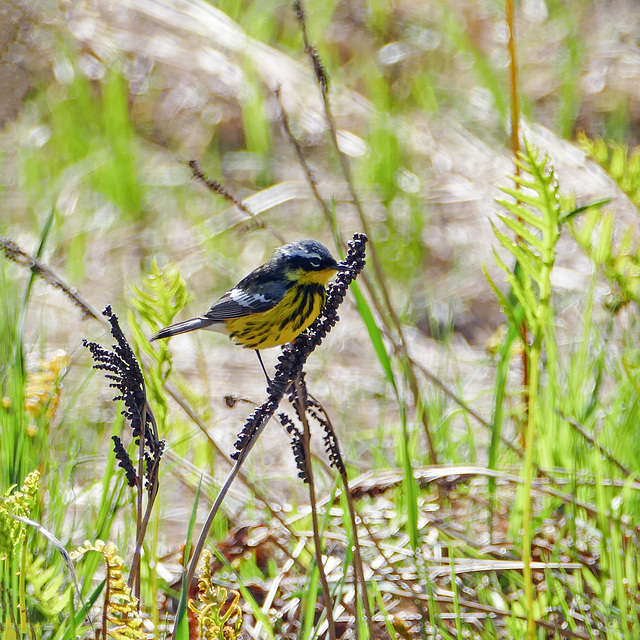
(307, 261)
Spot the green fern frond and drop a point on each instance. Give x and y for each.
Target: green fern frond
(615, 159)
(120, 607)
(504, 302)
(620, 263)
(215, 620)
(536, 229)
(16, 503)
(517, 209)
(162, 295)
(45, 587)
(520, 229)
(536, 225)
(517, 286)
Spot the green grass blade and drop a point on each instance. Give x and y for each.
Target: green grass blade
(81, 614)
(374, 333)
(43, 241)
(182, 624)
(308, 605)
(502, 374)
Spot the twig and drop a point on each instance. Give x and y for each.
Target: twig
(515, 148)
(592, 441)
(493, 611)
(461, 403)
(275, 510)
(143, 521)
(314, 408)
(221, 190)
(311, 179)
(14, 252)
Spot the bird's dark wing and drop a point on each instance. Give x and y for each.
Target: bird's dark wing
(246, 300)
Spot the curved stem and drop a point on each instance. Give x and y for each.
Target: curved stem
(306, 438)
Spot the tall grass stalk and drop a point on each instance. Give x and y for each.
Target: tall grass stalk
(387, 308)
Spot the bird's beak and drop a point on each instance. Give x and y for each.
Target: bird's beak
(342, 267)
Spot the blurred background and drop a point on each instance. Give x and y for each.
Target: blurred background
(103, 104)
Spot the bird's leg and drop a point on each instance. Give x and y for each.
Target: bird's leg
(266, 375)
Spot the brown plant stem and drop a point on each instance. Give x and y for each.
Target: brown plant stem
(377, 265)
(13, 252)
(218, 188)
(291, 363)
(515, 149)
(524, 332)
(306, 444)
(275, 511)
(335, 456)
(142, 522)
(357, 557)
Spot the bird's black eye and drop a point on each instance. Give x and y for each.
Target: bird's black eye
(314, 263)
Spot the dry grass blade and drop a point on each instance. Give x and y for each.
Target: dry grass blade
(63, 553)
(216, 187)
(13, 252)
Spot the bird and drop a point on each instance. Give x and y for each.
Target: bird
(273, 304)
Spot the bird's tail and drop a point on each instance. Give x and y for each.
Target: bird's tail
(182, 327)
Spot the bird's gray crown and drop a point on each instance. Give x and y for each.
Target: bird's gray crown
(307, 248)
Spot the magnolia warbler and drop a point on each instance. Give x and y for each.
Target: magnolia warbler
(274, 303)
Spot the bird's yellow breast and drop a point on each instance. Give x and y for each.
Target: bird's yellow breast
(314, 277)
(300, 306)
